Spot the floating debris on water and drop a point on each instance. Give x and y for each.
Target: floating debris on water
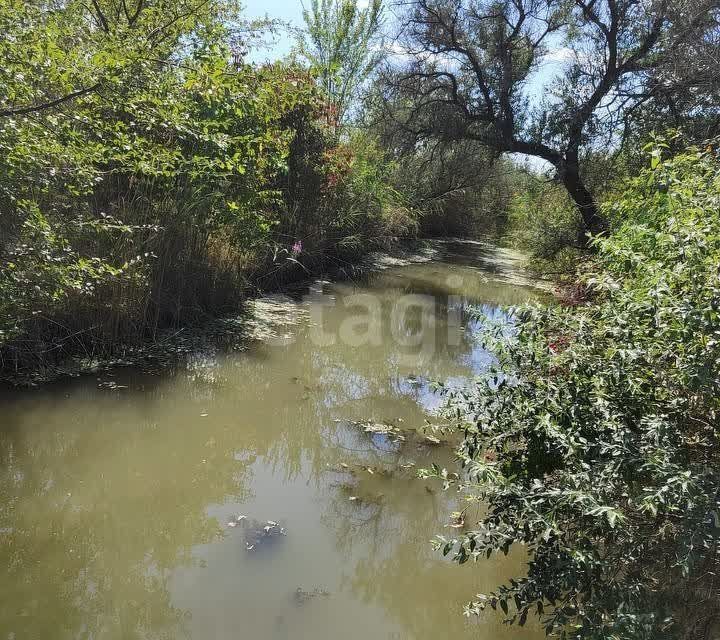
(300, 596)
(235, 521)
(111, 385)
(457, 520)
(385, 430)
(378, 261)
(269, 318)
(257, 533)
(386, 435)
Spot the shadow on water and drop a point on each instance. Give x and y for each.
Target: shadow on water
(116, 490)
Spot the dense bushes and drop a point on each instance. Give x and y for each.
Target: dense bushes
(448, 183)
(149, 175)
(595, 440)
(543, 222)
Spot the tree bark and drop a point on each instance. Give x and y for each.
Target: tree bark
(593, 222)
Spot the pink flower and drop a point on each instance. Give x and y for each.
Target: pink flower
(297, 248)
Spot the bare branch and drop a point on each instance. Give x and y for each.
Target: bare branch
(18, 111)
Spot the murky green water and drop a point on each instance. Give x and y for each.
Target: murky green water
(116, 491)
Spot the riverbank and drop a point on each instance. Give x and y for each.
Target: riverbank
(121, 487)
(253, 319)
(68, 355)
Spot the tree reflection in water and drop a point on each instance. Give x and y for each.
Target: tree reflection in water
(113, 503)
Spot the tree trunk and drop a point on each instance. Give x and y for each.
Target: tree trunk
(593, 222)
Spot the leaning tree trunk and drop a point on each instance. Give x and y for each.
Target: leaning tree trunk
(593, 222)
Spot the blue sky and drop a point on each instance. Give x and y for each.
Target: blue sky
(291, 11)
(286, 10)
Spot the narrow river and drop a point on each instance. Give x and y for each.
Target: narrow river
(117, 490)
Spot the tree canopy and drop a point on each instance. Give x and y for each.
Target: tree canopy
(340, 42)
(469, 64)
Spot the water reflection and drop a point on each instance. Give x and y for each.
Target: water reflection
(114, 502)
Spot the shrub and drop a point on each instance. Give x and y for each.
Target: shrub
(594, 441)
(545, 223)
(149, 173)
(366, 205)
